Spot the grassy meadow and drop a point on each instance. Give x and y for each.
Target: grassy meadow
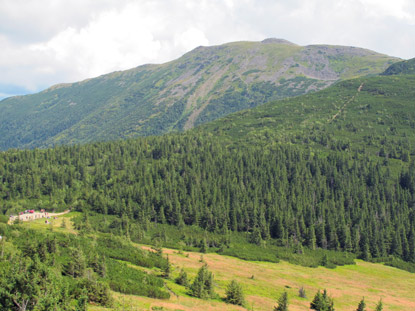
(264, 282)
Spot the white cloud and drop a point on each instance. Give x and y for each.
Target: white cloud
(44, 42)
(113, 41)
(190, 38)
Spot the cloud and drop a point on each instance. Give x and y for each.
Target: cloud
(44, 42)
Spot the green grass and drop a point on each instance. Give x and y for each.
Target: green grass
(346, 284)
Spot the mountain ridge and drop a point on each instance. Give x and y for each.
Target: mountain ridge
(202, 85)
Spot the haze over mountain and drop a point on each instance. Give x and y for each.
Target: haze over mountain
(203, 85)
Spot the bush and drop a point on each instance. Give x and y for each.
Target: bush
(4, 219)
(98, 292)
(182, 278)
(302, 292)
(127, 280)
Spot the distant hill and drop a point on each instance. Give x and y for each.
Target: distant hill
(203, 85)
(406, 67)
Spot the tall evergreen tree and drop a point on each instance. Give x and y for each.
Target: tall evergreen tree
(379, 306)
(322, 302)
(202, 286)
(282, 302)
(235, 294)
(362, 305)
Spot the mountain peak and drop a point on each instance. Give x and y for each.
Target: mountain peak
(277, 41)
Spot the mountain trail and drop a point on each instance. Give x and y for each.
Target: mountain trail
(346, 103)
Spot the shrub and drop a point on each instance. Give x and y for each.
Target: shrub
(182, 278)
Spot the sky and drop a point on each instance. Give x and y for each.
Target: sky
(46, 42)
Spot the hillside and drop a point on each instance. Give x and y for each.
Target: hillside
(374, 113)
(202, 85)
(406, 67)
(262, 282)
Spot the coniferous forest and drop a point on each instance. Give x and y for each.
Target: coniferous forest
(339, 201)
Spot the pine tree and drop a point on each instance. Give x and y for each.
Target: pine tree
(204, 247)
(76, 266)
(202, 286)
(379, 306)
(282, 303)
(167, 269)
(182, 279)
(322, 302)
(362, 305)
(234, 294)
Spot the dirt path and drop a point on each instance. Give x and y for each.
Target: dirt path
(346, 103)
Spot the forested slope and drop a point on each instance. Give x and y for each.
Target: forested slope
(377, 114)
(406, 67)
(48, 267)
(339, 200)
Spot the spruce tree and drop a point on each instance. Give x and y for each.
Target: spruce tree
(204, 246)
(282, 303)
(362, 305)
(322, 302)
(167, 269)
(234, 294)
(182, 279)
(202, 286)
(379, 306)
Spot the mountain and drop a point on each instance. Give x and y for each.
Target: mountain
(406, 67)
(203, 85)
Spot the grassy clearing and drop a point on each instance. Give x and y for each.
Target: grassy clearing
(263, 282)
(55, 224)
(347, 284)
